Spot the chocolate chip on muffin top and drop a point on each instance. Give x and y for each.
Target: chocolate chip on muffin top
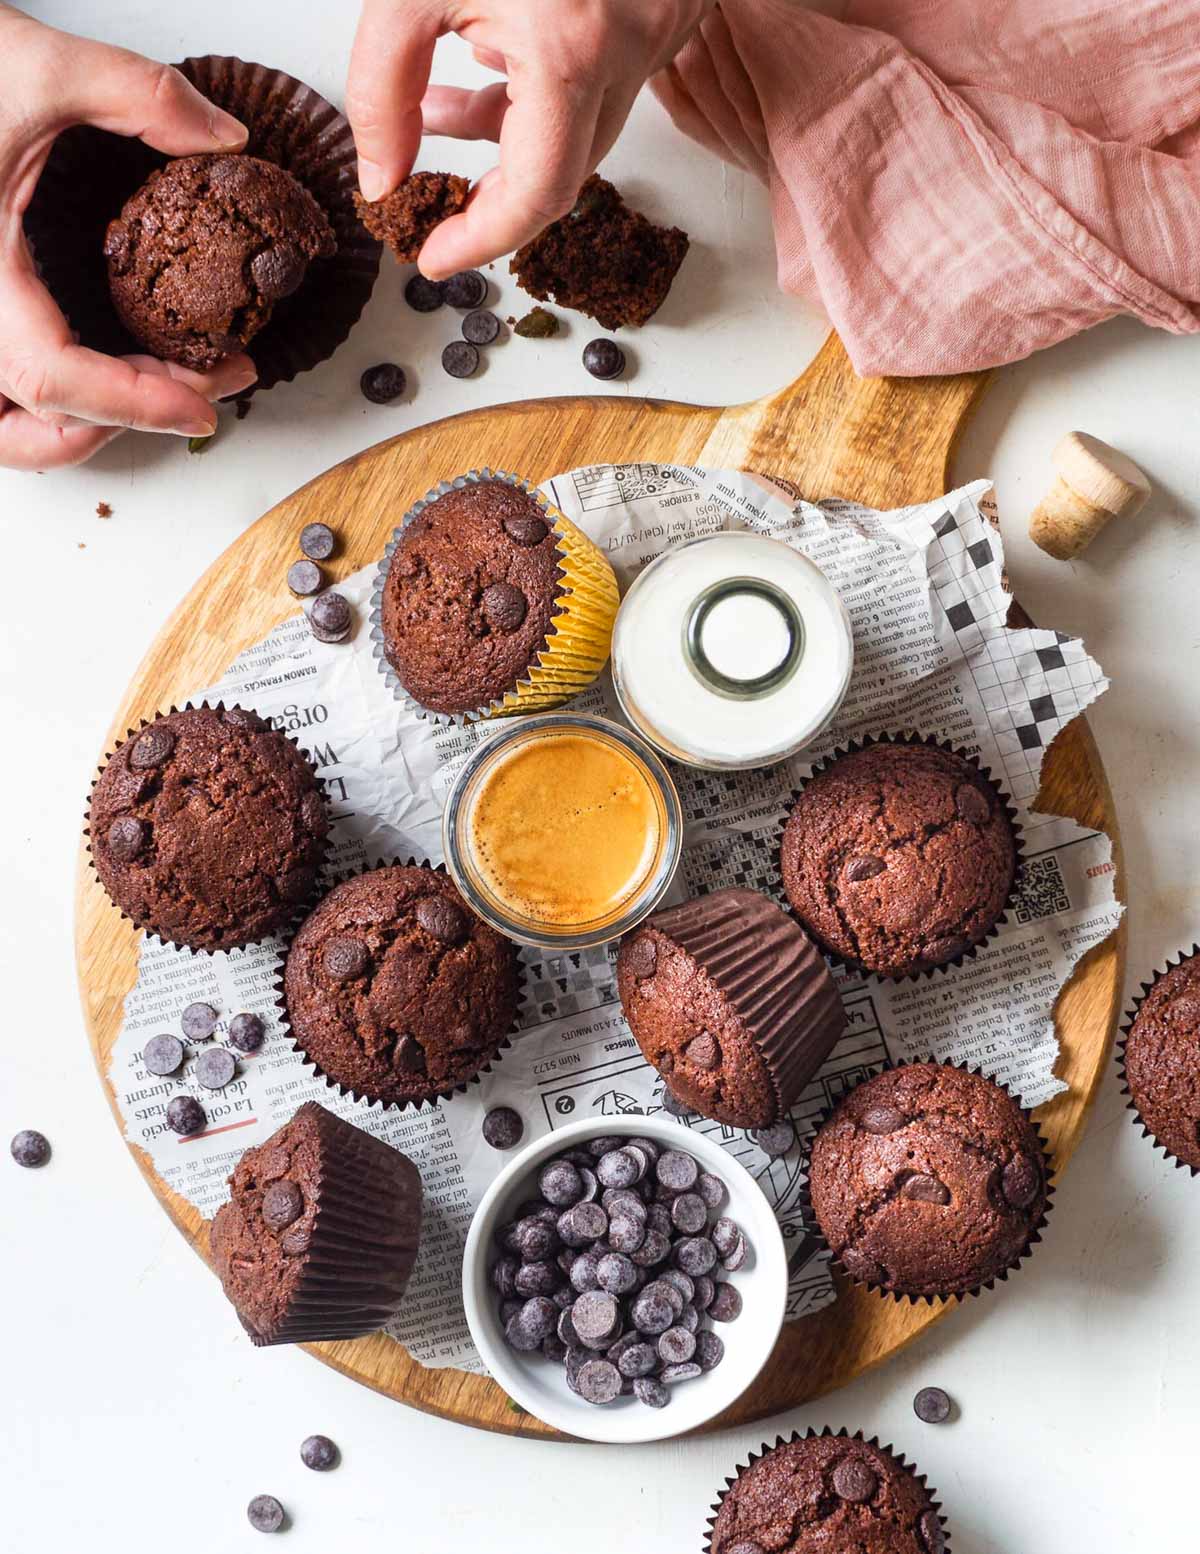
(1162, 1061)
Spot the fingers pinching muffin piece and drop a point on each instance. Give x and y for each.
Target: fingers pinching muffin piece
(208, 828)
(1162, 1062)
(396, 990)
(899, 857)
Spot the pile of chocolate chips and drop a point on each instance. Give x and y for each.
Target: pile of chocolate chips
(614, 1267)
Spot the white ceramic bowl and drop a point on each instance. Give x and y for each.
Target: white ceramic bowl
(539, 1385)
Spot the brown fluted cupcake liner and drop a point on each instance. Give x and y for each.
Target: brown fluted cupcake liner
(767, 1447)
(302, 907)
(90, 173)
(365, 1235)
(348, 1091)
(577, 645)
(911, 737)
(1131, 1015)
(813, 1228)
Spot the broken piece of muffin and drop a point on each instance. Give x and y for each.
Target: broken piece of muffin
(404, 218)
(603, 259)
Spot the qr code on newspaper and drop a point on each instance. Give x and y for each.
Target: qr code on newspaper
(1041, 890)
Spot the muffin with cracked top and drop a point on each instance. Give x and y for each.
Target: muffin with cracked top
(1161, 1060)
(396, 990)
(899, 857)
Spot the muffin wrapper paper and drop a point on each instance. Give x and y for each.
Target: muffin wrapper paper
(1131, 1015)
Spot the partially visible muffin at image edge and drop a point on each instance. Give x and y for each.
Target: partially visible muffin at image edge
(1162, 1061)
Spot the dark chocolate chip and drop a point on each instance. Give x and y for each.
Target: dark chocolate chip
(316, 542)
(689, 1213)
(652, 1312)
(282, 1204)
(502, 1127)
(651, 1392)
(603, 1144)
(854, 1479)
(930, 1530)
(703, 1051)
(710, 1350)
(504, 607)
(745, 1547)
(1020, 1181)
(675, 1346)
(582, 1224)
(882, 1119)
(642, 956)
(864, 867)
(618, 1168)
(344, 959)
(863, 1267)
(330, 617)
(151, 748)
(736, 1256)
(278, 271)
(726, 1304)
(185, 1115)
(939, 950)
(526, 531)
(674, 1106)
(711, 1189)
(246, 1032)
(163, 1054)
(583, 1274)
(424, 296)
(626, 1233)
(410, 1055)
(467, 289)
(598, 1381)
(480, 327)
(265, 1514)
(932, 1406)
(536, 1321)
(538, 1278)
(604, 359)
(30, 1148)
(724, 1234)
(775, 1140)
(383, 383)
(535, 1239)
(198, 1021)
(215, 1067)
(296, 1242)
(972, 803)
(686, 1370)
(305, 578)
(696, 1255)
(442, 919)
(596, 1316)
(504, 1276)
(560, 1184)
(127, 836)
(460, 359)
(319, 1453)
(616, 1273)
(243, 717)
(635, 1359)
(677, 1171)
(925, 1189)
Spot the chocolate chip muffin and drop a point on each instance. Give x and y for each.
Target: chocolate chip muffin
(827, 1494)
(406, 217)
(320, 1235)
(1161, 1057)
(731, 1003)
(928, 1180)
(201, 254)
(395, 990)
(208, 828)
(899, 857)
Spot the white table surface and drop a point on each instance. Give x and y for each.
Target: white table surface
(135, 1415)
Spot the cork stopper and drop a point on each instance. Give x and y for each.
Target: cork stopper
(1093, 484)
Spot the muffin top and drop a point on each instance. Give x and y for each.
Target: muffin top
(928, 1180)
(395, 989)
(404, 218)
(203, 251)
(828, 1494)
(208, 828)
(1162, 1061)
(898, 857)
(731, 1003)
(470, 595)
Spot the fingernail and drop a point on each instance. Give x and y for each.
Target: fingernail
(242, 380)
(194, 429)
(227, 132)
(371, 181)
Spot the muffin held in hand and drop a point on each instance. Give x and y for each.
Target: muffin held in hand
(899, 857)
(208, 828)
(731, 1003)
(201, 254)
(406, 217)
(928, 1180)
(827, 1494)
(320, 1235)
(396, 990)
(1162, 1062)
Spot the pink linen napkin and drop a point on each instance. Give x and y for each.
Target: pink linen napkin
(961, 182)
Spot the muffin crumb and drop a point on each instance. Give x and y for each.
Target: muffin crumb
(404, 218)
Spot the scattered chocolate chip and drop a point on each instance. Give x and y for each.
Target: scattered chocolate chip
(932, 1406)
(278, 271)
(442, 919)
(345, 959)
(305, 578)
(151, 748)
(864, 867)
(163, 1055)
(467, 289)
(930, 1530)
(319, 1453)
(925, 1189)
(480, 327)
(673, 1105)
(316, 542)
(703, 1051)
(330, 617)
(1020, 1181)
(854, 1479)
(526, 531)
(30, 1148)
(775, 1140)
(185, 1115)
(282, 1204)
(972, 803)
(604, 359)
(127, 836)
(882, 1119)
(538, 324)
(939, 950)
(502, 1127)
(383, 383)
(246, 1032)
(265, 1514)
(460, 359)
(215, 1067)
(198, 1021)
(424, 296)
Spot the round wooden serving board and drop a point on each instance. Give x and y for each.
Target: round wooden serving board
(886, 442)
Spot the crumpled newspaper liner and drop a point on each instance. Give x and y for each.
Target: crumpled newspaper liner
(90, 173)
(302, 907)
(347, 1090)
(577, 645)
(935, 1504)
(911, 737)
(812, 1226)
(1130, 1016)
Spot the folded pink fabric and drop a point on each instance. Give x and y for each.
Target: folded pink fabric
(961, 182)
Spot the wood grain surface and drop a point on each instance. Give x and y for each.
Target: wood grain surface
(886, 442)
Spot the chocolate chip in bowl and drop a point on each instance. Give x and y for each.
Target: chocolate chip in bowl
(599, 1267)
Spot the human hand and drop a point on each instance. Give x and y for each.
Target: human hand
(59, 402)
(573, 69)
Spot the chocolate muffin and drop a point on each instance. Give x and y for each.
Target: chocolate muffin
(731, 1003)
(898, 857)
(928, 1180)
(603, 259)
(208, 828)
(827, 1494)
(201, 254)
(320, 1235)
(1161, 1056)
(470, 595)
(395, 990)
(406, 217)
